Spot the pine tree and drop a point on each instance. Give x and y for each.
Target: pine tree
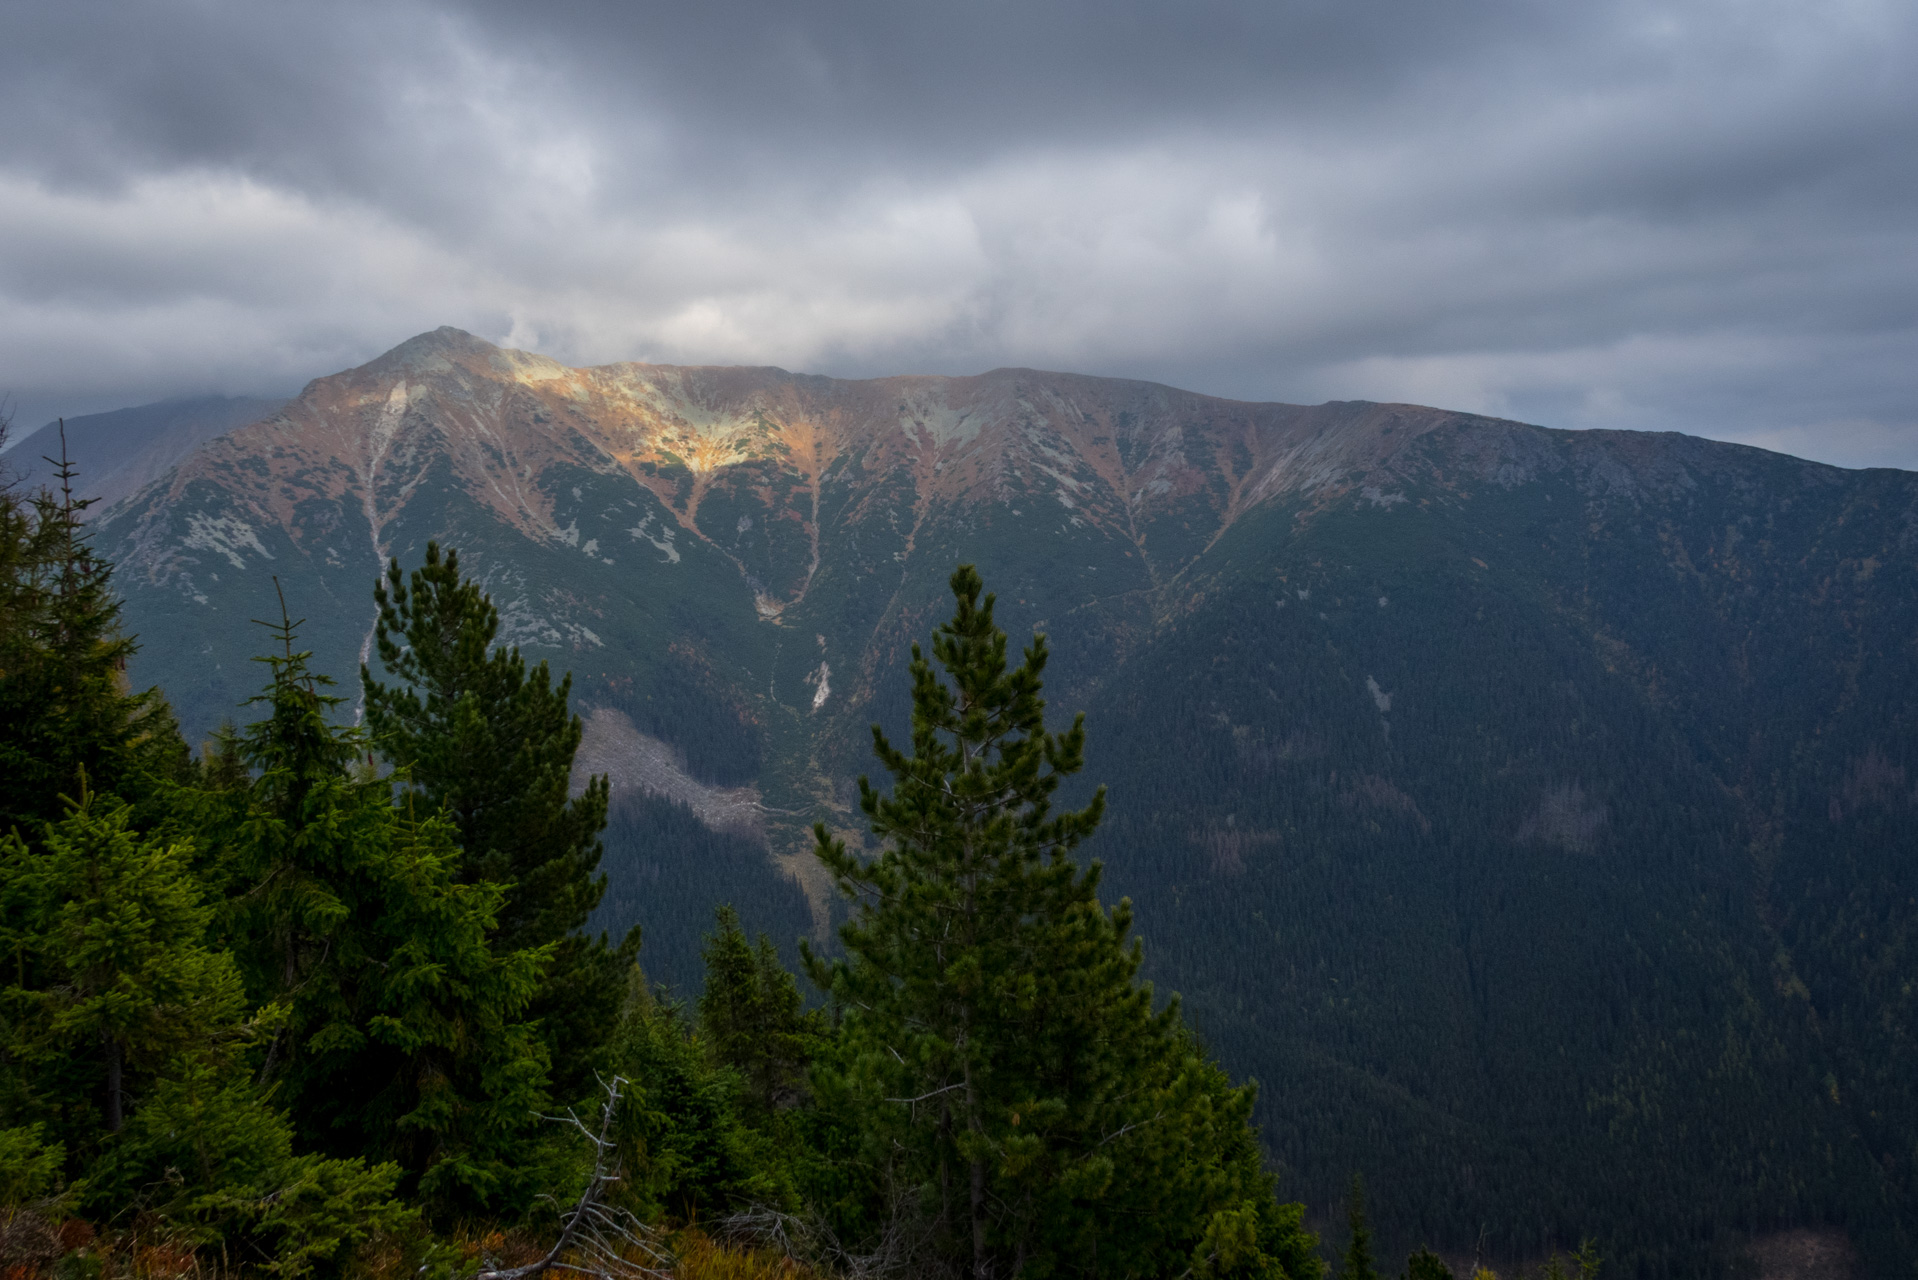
(1358, 1251)
(478, 733)
(405, 1032)
(752, 1016)
(1000, 1051)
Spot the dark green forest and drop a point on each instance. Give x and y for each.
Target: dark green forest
(1578, 939)
(316, 997)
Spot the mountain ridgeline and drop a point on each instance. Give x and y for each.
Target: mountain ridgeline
(1532, 812)
(116, 454)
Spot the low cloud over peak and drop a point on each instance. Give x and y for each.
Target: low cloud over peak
(1693, 217)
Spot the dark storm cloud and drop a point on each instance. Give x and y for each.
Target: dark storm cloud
(1693, 216)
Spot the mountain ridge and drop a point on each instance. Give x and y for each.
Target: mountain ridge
(1487, 789)
(653, 420)
(118, 453)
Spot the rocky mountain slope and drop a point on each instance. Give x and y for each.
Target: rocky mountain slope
(1533, 812)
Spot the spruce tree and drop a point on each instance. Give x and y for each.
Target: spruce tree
(64, 704)
(1358, 1250)
(687, 1147)
(752, 1016)
(405, 1031)
(30, 1166)
(999, 1051)
(112, 926)
(479, 733)
(208, 1155)
(1426, 1265)
(136, 1050)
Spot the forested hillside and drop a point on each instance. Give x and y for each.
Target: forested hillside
(305, 1004)
(1529, 811)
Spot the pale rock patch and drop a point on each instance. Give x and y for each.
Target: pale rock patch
(662, 543)
(632, 761)
(223, 535)
(1380, 698)
(1566, 817)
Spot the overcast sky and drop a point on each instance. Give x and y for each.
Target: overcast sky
(1696, 215)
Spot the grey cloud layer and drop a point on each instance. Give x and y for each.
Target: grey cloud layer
(1690, 216)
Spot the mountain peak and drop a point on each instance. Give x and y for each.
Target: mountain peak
(431, 350)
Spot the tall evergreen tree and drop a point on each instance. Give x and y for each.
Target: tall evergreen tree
(112, 925)
(1003, 1057)
(124, 1027)
(64, 705)
(479, 733)
(752, 1016)
(1358, 1250)
(405, 1033)
(134, 1049)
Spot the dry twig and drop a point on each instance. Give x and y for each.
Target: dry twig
(596, 1238)
(902, 1250)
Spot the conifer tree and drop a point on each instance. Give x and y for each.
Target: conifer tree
(688, 1151)
(752, 1015)
(1001, 1054)
(64, 705)
(113, 926)
(405, 1031)
(479, 733)
(1358, 1251)
(135, 1050)
(209, 1156)
(30, 1166)
(1426, 1265)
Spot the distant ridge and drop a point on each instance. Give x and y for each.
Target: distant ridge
(116, 453)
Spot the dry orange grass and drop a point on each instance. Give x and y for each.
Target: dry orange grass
(152, 1256)
(696, 1256)
(700, 1257)
(33, 1247)
(397, 1257)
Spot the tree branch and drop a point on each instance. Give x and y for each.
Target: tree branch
(595, 1238)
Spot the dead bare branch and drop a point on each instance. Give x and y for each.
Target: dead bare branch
(903, 1249)
(596, 1238)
